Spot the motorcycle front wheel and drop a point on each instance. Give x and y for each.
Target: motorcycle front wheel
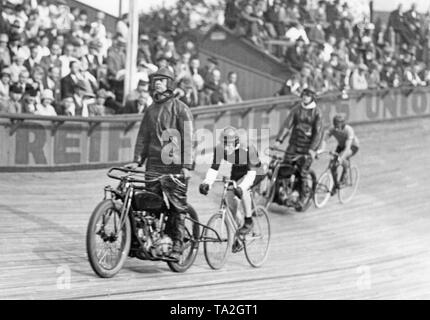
(108, 243)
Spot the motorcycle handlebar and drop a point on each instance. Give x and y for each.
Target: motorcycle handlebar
(133, 171)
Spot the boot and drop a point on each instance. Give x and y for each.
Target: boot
(247, 227)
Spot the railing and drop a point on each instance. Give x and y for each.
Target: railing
(30, 142)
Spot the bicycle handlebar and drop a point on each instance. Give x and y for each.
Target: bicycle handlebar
(137, 180)
(227, 181)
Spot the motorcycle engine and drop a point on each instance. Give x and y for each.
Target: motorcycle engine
(161, 247)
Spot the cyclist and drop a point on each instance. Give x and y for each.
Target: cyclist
(305, 124)
(246, 171)
(348, 146)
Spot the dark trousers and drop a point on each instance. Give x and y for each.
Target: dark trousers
(176, 192)
(304, 164)
(339, 150)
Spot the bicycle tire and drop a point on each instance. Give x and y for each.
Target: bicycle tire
(261, 221)
(323, 188)
(216, 222)
(352, 183)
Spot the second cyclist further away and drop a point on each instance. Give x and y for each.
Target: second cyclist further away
(246, 170)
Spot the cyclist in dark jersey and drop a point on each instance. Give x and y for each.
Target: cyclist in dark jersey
(246, 171)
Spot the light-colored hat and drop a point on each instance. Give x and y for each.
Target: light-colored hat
(4, 37)
(47, 95)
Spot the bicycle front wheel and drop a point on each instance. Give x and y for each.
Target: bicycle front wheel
(349, 188)
(323, 190)
(217, 241)
(257, 242)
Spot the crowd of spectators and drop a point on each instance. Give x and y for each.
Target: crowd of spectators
(54, 61)
(327, 48)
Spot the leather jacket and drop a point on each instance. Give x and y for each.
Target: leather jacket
(165, 136)
(306, 127)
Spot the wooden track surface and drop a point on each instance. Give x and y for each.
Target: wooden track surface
(375, 247)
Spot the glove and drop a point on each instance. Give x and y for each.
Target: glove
(238, 192)
(313, 154)
(204, 189)
(132, 165)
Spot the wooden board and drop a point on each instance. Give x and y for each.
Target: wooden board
(375, 247)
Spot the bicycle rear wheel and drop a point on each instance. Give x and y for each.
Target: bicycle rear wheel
(323, 190)
(217, 241)
(347, 191)
(107, 245)
(257, 242)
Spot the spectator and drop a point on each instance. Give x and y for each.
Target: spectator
(86, 76)
(82, 99)
(98, 29)
(187, 93)
(68, 83)
(34, 59)
(53, 60)
(231, 92)
(294, 56)
(122, 26)
(66, 59)
(295, 32)
(13, 103)
(232, 13)
(5, 59)
(94, 58)
(142, 89)
(144, 51)
(412, 77)
(216, 95)
(359, 78)
(4, 84)
(195, 74)
(52, 81)
(116, 64)
(37, 79)
(17, 67)
(29, 101)
(212, 65)
(140, 104)
(46, 108)
(183, 67)
(98, 108)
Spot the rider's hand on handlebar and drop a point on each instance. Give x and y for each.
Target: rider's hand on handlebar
(186, 173)
(277, 145)
(204, 189)
(313, 154)
(238, 192)
(132, 165)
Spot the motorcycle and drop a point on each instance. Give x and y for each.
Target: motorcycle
(132, 221)
(282, 184)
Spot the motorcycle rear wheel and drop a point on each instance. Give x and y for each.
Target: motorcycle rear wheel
(191, 244)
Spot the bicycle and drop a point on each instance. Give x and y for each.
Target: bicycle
(326, 186)
(282, 182)
(221, 233)
(132, 223)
